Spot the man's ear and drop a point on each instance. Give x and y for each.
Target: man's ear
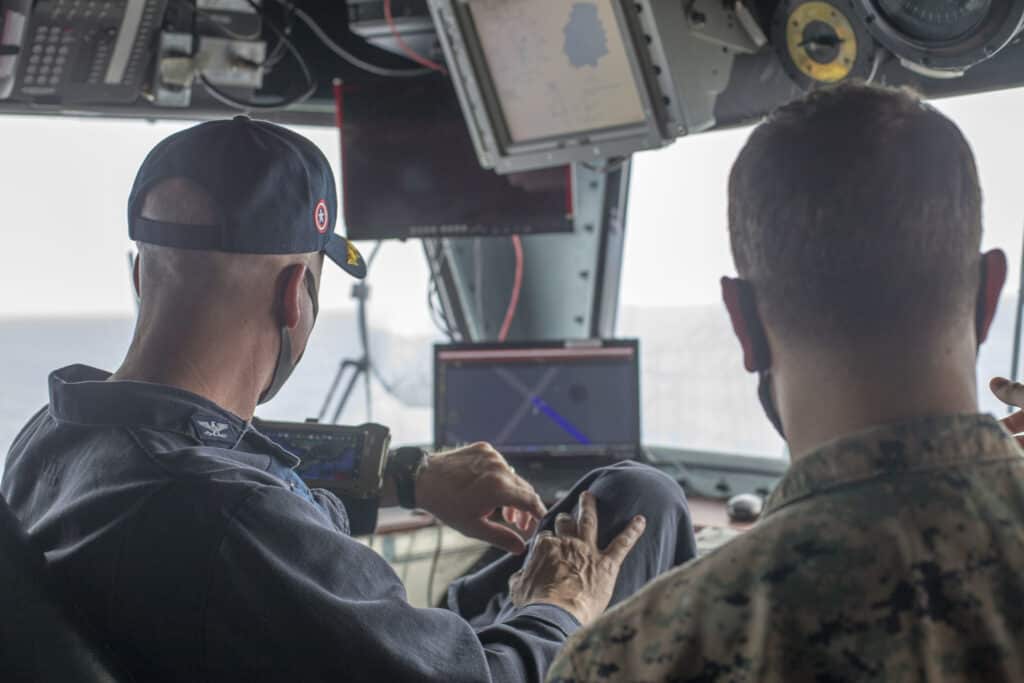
(293, 288)
(993, 277)
(739, 300)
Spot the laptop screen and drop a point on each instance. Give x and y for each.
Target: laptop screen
(568, 398)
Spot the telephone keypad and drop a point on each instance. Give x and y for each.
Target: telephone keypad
(48, 55)
(71, 45)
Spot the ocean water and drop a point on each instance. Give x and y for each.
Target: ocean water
(32, 348)
(695, 393)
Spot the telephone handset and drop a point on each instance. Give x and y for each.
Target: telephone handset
(82, 51)
(13, 17)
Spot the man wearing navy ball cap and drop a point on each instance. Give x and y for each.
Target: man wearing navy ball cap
(182, 535)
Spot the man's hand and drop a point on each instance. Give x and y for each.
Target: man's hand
(567, 568)
(463, 488)
(1012, 394)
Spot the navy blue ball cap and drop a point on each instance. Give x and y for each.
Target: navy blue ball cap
(274, 190)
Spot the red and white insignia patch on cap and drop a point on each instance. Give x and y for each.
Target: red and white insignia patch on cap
(321, 217)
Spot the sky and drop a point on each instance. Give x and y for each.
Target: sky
(64, 184)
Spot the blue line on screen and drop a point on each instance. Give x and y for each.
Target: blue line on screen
(560, 421)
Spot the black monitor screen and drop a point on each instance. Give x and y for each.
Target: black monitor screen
(409, 169)
(539, 398)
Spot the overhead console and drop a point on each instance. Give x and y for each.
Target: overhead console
(540, 83)
(828, 41)
(545, 82)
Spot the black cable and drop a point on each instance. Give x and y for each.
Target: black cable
(225, 99)
(437, 315)
(279, 51)
(344, 54)
(197, 15)
(228, 100)
(437, 312)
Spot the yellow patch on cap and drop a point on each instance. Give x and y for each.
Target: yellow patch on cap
(354, 257)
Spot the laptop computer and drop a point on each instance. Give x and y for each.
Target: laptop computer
(555, 410)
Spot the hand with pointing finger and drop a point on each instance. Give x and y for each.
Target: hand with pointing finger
(567, 569)
(1012, 394)
(464, 487)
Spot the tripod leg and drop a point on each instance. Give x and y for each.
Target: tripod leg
(368, 381)
(330, 392)
(358, 370)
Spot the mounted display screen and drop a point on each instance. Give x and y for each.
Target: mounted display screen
(409, 169)
(558, 66)
(555, 398)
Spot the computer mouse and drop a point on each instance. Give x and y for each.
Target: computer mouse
(745, 507)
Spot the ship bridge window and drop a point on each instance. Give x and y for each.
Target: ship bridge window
(696, 394)
(67, 296)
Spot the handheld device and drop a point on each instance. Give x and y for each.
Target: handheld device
(347, 461)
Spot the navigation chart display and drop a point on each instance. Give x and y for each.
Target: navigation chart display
(559, 66)
(539, 399)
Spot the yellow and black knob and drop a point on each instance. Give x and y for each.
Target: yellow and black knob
(820, 44)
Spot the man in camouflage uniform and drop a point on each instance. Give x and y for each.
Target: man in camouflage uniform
(893, 550)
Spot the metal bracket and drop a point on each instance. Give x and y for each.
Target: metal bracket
(692, 69)
(734, 28)
(175, 70)
(224, 62)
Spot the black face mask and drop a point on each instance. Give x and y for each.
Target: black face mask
(767, 397)
(761, 353)
(284, 368)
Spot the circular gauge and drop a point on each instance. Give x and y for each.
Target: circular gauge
(935, 21)
(939, 37)
(819, 44)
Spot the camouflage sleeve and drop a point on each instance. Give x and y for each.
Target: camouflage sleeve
(656, 635)
(617, 646)
(563, 671)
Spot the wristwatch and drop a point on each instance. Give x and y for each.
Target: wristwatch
(404, 467)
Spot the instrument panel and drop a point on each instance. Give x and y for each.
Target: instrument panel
(935, 21)
(699, 64)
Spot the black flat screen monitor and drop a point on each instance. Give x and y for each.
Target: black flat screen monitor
(409, 169)
(561, 398)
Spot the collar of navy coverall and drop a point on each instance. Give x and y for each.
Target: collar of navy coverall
(83, 395)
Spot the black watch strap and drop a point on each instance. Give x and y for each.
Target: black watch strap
(404, 466)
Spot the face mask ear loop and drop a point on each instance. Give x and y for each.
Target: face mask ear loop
(762, 355)
(283, 369)
(764, 394)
